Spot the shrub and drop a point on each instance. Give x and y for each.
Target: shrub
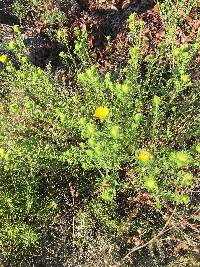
(110, 122)
(46, 11)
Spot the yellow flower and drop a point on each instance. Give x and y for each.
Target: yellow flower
(101, 112)
(144, 155)
(3, 58)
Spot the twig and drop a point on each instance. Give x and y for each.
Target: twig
(73, 221)
(164, 230)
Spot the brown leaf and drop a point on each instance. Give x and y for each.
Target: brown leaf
(181, 247)
(91, 41)
(160, 34)
(156, 8)
(83, 26)
(195, 25)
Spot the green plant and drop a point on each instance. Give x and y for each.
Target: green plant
(109, 124)
(47, 11)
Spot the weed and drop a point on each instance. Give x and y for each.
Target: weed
(106, 128)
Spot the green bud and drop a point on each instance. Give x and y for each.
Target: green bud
(15, 108)
(137, 117)
(108, 195)
(90, 72)
(9, 68)
(63, 118)
(82, 145)
(60, 34)
(174, 109)
(24, 59)
(182, 199)
(187, 179)
(90, 128)
(75, 99)
(185, 199)
(85, 166)
(16, 29)
(2, 152)
(150, 58)
(134, 52)
(11, 45)
(91, 142)
(115, 132)
(89, 152)
(29, 105)
(150, 184)
(67, 154)
(97, 148)
(115, 147)
(53, 205)
(118, 87)
(77, 46)
(7, 157)
(156, 100)
(185, 78)
(171, 31)
(181, 158)
(82, 121)
(125, 88)
(62, 55)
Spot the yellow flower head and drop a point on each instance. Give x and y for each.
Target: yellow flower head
(3, 58)
(101, 112)
(144, 155)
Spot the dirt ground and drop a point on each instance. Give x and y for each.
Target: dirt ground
(101, 18)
